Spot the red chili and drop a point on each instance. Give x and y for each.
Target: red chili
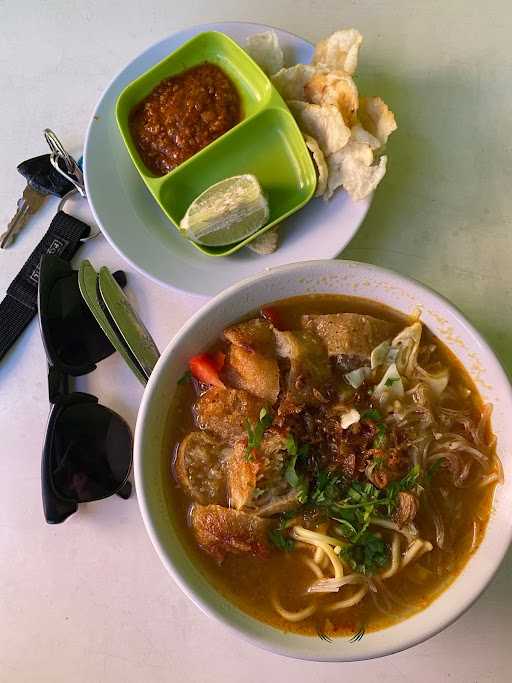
(205, 367)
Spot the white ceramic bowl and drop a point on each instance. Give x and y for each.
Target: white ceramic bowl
(341, 277)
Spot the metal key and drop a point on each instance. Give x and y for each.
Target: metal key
(28, 203)
(42, 180)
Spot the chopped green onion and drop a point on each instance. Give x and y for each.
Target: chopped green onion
(431, 471)
(255, 432)
(277, 536)
(371, 414)
(186, 377)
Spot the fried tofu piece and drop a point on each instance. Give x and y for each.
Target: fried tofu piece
(257, 374)
(253, 335)
(310, 372)
(219, 531)
(349, 334)
(199, 467)
(251, 362)
(224, 412)
(253, 482)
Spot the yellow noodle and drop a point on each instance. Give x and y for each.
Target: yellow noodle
(307, 611)
(292, 616)
(315, 535)
(311, 537)
(335, 561)
(411, 552)
(314, 567)
(349, 602)
(427, 547)
(387, 524)
(416, 549)
(319, 555)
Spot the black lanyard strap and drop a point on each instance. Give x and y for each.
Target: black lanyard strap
(20, 303)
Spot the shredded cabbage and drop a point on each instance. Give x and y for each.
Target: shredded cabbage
(379, 354)
(390, 387)
(357, 377)
(384, 354)
(408, 344)
(392, 354)
(437, 381)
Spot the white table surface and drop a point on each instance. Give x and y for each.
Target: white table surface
(89, 600)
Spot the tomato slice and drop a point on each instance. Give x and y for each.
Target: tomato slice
(205, 367)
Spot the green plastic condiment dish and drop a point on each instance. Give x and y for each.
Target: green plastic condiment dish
(266, 142)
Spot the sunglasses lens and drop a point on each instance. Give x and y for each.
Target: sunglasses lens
(91, 454)
(71, 328)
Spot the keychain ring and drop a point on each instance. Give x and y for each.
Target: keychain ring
(68, 195)
(73, 173)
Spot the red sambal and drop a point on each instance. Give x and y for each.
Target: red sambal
(183, 114)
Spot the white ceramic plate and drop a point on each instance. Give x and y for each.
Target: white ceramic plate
(340, 277)
(132, 222)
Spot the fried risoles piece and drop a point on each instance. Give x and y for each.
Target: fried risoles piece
(254, 335)
(349, 334)
(199, 467)
(251, 362)
(310, 372)
(253, 372)
(219, 531)
(241, 476)
(261, 472)
(224, 412)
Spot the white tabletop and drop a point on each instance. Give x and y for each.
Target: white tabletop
(89, 600)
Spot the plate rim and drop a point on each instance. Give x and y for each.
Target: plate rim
(173, 286)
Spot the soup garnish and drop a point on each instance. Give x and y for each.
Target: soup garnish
(335, 465)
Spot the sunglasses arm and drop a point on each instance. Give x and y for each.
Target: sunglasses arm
(58, 384)
(126, 491)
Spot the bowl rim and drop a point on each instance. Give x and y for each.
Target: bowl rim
(263, 642)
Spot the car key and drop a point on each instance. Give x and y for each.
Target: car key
(42, 180)
(27, 204)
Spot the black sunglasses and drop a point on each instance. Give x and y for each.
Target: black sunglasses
(87, 453)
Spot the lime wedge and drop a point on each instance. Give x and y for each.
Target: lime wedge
(226, 212)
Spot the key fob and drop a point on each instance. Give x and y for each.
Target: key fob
(42, 177)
